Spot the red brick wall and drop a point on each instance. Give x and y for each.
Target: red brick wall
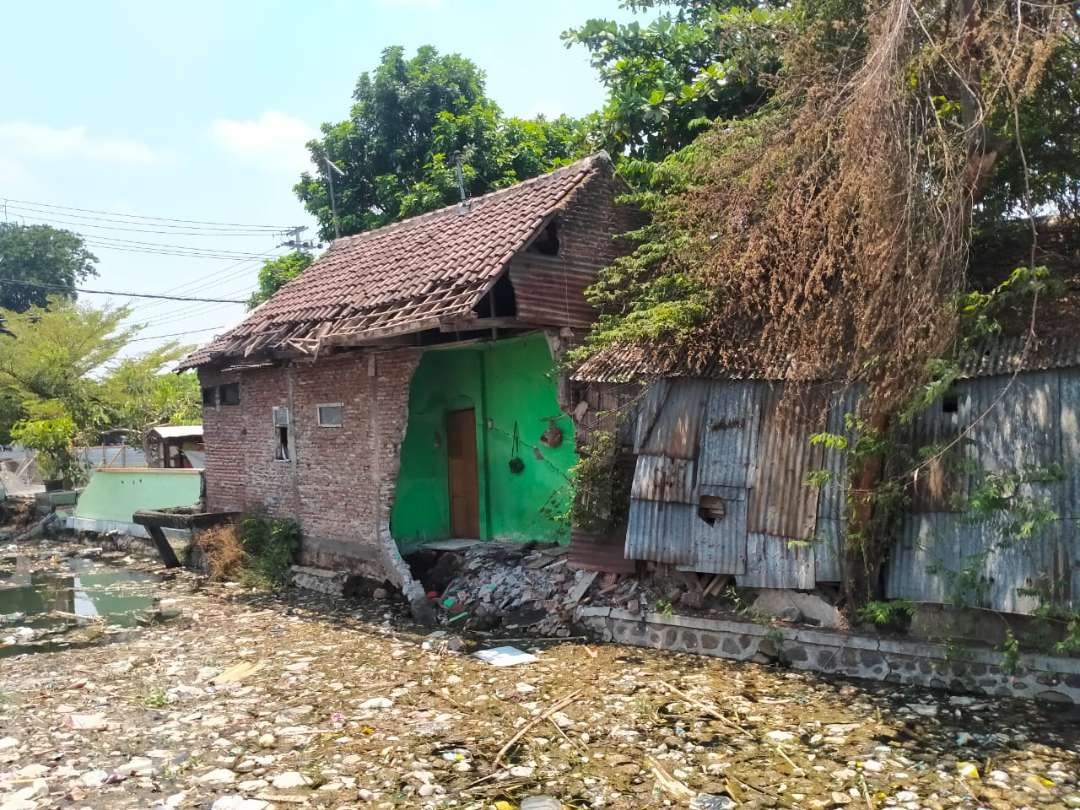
(339, 482)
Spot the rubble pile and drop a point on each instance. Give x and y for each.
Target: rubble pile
(534, 590)
(513, 588)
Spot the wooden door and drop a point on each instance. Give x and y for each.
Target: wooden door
(464, 489)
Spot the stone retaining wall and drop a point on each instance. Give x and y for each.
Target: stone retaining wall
(921, 663)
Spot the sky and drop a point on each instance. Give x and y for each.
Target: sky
(199, 111)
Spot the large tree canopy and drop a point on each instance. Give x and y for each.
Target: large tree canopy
(409, 120)
(40, 255)
(699, 60)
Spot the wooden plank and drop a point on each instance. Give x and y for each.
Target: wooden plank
(165, 551)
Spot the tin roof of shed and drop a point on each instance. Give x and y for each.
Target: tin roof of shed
(406, 277)
(993, 357)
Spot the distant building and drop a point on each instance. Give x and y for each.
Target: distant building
(175, 447)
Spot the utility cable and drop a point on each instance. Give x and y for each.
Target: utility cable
(63, 288)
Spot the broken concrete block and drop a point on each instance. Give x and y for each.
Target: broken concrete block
(811, 608)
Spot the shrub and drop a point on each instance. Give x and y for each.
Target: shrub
(270, 547)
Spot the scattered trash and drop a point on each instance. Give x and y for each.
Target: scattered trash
(86, 722)
(505, 656)
(252, 694)
(237, 672)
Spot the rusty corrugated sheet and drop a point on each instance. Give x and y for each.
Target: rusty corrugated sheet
(832, 496)
(552, 291)
(730, 433)
(720, 547)
(781, 504)
(660, 532)
(659, 478)
(1006, 430)
(676, 428)
(774, 562)
(599, 552)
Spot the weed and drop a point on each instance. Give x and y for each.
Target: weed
(896, 613)
(156, 699)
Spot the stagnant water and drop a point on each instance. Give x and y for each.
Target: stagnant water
(78, 591)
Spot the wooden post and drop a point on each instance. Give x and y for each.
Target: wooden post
(168, 556)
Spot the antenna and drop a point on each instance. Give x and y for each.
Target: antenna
(463, 207)
(331, 167)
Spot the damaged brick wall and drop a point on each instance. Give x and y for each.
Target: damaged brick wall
(339, 481)
(551, 289)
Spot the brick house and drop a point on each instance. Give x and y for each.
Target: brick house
(404, 388)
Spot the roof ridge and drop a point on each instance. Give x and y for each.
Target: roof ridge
(590, 161)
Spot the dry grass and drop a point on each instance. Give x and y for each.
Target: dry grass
(222, 551)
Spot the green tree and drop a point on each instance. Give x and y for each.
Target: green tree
(699, 60)
(409, 119)
(276, 272)
(40, 255)
(66, 358)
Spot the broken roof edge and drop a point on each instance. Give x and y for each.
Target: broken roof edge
(205, 355)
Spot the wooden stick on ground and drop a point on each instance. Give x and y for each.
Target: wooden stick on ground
(559, 704)
(709, 710)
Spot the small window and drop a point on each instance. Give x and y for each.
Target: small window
(281, 434)
(950, 403)
(547, 241)
(330, 415)
(229, 394)
(209, 397)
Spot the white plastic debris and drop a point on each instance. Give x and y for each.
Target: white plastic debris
(505, 656)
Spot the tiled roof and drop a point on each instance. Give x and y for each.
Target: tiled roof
(406, 277)
(993, 357)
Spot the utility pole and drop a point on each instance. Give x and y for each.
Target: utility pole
(295, 242)
(330, 169)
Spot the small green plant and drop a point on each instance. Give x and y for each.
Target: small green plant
(156, 699)
(270, 548)
(896, 613)
(1010, 653)
(664, 607)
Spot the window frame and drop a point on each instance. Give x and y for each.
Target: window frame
(212, 400)
(222, 400)
(283, 450)
(318, 414)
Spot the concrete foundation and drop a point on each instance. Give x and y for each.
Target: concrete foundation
(979, 671)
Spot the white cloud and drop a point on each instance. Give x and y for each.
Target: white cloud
(274, 140)
(38, 141)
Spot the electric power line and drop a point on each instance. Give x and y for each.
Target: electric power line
(176, 334)
(119, 215)
(117, 293)
(163, 230)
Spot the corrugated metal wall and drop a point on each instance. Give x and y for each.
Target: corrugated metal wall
(1031, 422)
(719, 440)
(696, 439)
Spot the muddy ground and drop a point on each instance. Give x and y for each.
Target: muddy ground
(222, 697)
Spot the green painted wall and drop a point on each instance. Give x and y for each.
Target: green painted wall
(118, 494)
(505, 381)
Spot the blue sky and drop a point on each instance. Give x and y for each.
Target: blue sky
(199, 111)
